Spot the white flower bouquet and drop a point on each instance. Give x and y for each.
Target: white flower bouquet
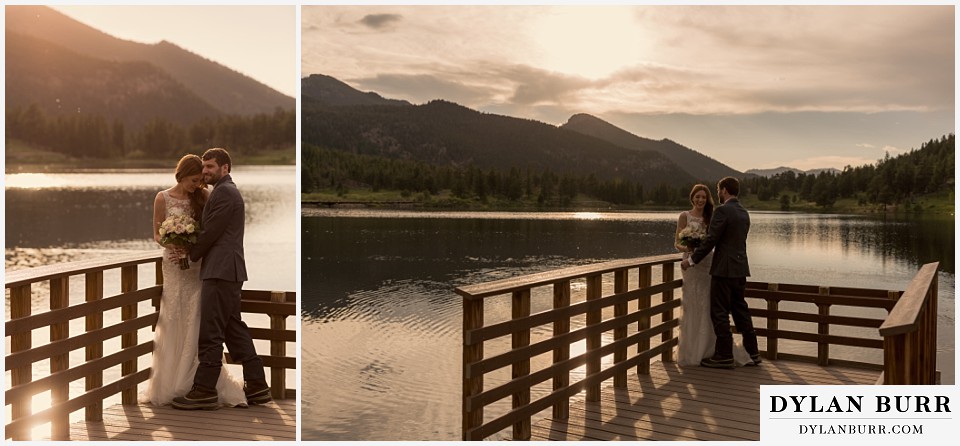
(691, 237)
(179, 230)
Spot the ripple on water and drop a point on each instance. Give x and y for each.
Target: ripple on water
(368, 346)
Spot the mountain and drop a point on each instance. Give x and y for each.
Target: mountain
(40, 34)
(767, 173)
(61, 81)
(331, 91)
(696, 164)
(445, 133)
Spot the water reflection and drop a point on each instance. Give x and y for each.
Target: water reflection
(381, 325)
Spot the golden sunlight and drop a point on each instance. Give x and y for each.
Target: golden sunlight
(587, 215)
(592, 42)
(33, 181)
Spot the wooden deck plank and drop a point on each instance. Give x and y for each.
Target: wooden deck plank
(687, 403)
(275, 421)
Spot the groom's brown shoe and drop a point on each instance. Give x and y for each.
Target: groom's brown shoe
(716, 362)
(257, 391)
(197, 398)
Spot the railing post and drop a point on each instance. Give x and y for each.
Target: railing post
(823, 329)
(644, 281)
(892, 351)
(128, 284)
(20, 306)
(668, 271)
(773, 323)
(94, 321)
(930, 343)
(472, 385)
(620, 309)
(60, 392)
(561, 299)
(521, 309)
(278, 349)
(894, 359)
(594, 292)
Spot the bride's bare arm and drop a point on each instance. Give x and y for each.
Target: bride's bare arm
(158, 211)
(681, 223)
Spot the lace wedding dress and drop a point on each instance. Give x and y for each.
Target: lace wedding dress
(178, 327)
(697, 340)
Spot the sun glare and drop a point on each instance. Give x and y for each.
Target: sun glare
(587, 215)
(33, 181)
(592, 42)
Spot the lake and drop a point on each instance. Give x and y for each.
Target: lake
(381, 329)
(61, 217)
(57, 217)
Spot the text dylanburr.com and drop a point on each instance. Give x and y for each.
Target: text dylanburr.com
(878, 414)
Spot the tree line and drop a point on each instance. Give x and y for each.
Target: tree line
(85, 135)
(324, 169)
(892, 180)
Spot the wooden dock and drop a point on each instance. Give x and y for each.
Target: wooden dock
(128, 421)
(632, 389)
(688, 403)
(275, 421)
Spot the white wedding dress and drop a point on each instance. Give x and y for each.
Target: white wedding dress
(178, 327)
(697, 340)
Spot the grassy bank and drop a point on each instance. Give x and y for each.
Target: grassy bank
(935, 204)
(23, 158)
(941, 203)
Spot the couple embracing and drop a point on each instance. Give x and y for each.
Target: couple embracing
(200, 306)
(714, 282)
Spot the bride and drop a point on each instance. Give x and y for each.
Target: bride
(175, 339)
(697, 339)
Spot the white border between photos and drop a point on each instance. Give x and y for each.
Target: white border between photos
(298, 4)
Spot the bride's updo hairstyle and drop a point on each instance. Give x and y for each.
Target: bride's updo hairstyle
(188, 166)
(708, 206)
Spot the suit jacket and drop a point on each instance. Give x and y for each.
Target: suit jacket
(727, 234)
(220, 242)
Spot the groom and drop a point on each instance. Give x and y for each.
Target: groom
(728, 276)
(223, 271)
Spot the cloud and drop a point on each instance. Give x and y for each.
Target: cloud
(533, 86)
(380, 21)
(821, 162)
(893, 151)
(866, 146)
(420, 88)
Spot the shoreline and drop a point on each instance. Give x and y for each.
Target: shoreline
(370, 205)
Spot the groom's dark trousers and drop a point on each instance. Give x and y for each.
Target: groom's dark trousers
(727, 235)
(220, 323)
(223, 272)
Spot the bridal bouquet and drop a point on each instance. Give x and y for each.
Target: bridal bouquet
(691, 237)
(179, 230)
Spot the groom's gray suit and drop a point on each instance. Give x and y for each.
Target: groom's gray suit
(220, 245)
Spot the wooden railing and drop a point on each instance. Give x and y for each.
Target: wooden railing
(557, 283)
(825, 298)
(23, 354)
(910, 333)
(475, 365)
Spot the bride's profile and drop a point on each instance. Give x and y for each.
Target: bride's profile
(175, 338)
(697, 338)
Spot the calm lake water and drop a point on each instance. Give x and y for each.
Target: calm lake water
(381, 329)
(62, 217)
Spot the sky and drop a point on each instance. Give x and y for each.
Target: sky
(258, 41)
(751, 86)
